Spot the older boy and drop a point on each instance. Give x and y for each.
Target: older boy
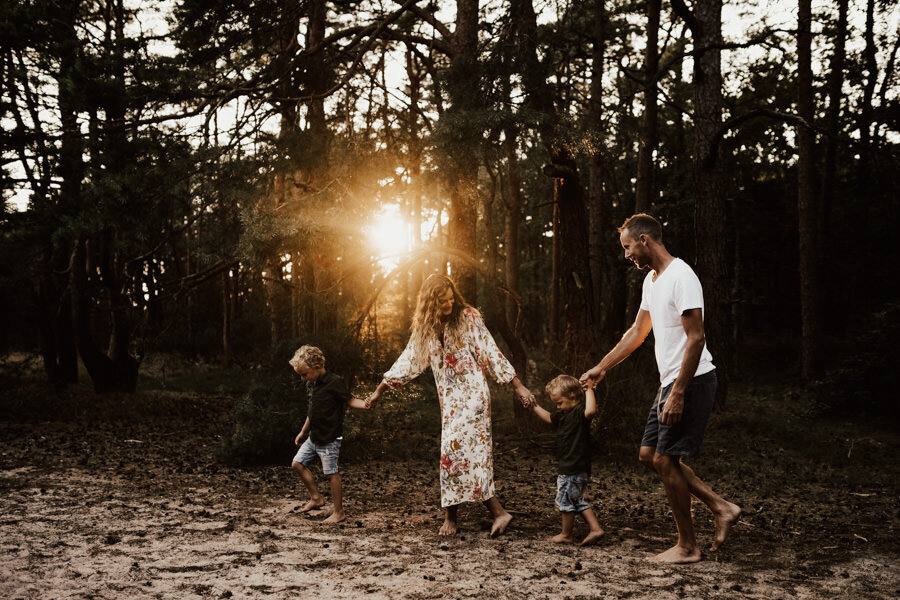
(323, 430)
(573, 442)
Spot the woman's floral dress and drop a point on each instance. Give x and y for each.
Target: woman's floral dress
(467, 464)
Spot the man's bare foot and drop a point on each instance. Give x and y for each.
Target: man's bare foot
(313, 504)
(677, 555)
(448, 528)
(335, 518)
(724, 522)
(592, 537)
(562, 539)
(500, 524)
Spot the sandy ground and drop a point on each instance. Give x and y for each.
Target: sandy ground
(120, 509)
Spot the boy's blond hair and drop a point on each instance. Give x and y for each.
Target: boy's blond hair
(310, 355)
(565, 385)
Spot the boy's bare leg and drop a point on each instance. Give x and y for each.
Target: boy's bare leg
(449, 526)
(337, 498)
(724, 513)
(568, 524)
(315, 497)
(596, 531)
(501, 517)
(679, 495)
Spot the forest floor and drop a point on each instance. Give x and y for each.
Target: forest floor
(121, 497)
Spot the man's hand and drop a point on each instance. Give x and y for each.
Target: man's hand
(298, 441)
(372, 400)
(591, 378)
(673, 408)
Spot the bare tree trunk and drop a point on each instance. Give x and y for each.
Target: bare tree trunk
(806, 205)
(511, 225)
(465, 97)
(555, 285)
(710, 215)
(598, 218)
(648, 141)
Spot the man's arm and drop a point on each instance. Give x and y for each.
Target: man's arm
(630, 342)
(692, 321)
(590, 404)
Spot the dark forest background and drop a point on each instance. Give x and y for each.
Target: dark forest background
(221, 180)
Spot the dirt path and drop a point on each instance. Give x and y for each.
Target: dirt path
(116, 501)
(75, 534)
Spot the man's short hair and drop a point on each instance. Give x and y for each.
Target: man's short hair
(310, 355)
(642, 224)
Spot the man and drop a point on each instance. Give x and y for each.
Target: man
(672, 306)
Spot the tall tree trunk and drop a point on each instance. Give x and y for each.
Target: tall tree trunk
(513, 215)
(835, 84)
(806, 205)
(710, 214)
(465, 97)
(597, 217)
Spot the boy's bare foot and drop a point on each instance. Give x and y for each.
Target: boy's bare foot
(335, 518)
(724, 522)
(592, 537)
(500, 524)
(448, 528)
(677, 555)
(313, 504)
(561, 539)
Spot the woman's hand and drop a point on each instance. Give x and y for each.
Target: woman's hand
(524, 395)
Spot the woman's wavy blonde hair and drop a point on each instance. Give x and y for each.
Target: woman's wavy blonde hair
(427, 324)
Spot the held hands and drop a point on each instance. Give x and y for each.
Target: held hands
(591, 378)
(525, 396)
(673, 408)
(372, 400)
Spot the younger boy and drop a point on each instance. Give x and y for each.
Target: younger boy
(327, 401)
(573, 442)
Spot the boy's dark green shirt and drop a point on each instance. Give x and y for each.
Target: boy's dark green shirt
(327, 405)
(573, 440)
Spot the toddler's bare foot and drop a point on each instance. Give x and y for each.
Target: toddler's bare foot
(592, 537)
(562, 539)
(335, 518)
(313, 504)
(724, 522)
(500, 524)
(678, 555)
(448, 528)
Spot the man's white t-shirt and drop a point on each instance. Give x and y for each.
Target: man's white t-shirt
(676, 290)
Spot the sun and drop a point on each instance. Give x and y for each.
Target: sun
(388, 234)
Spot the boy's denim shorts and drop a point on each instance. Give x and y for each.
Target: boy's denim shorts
(327, 452)
(570, 493)
(684, 437)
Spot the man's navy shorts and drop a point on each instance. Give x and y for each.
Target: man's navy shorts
(684, 437)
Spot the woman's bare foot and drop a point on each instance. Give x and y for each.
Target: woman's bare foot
(500, 524)
(592, 537)
(313, 504)
(562, 539)
(335, 518)
(677, 555)
(448, 528)
(724, 522)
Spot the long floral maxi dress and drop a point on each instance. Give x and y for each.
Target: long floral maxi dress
(467, 464)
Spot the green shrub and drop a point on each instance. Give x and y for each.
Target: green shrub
(343, 354)
(267, 419)
(862, 382)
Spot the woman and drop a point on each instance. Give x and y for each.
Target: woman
(450, 335)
